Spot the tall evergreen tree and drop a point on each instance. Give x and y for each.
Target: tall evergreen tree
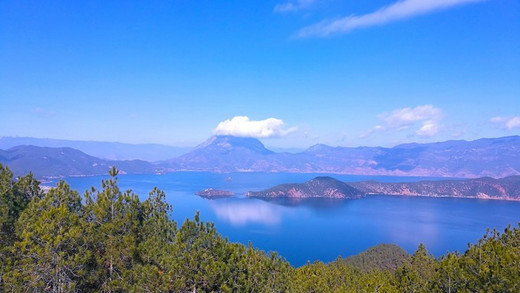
(199, 256)
(152, 272)
(14, 198)
(448, 277)
(416, 276)
(113, 219)
(50, 254)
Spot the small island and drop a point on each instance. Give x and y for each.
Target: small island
(211, 193)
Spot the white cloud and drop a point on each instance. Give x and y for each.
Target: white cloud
(399, 10)
(293, 6)
(507, 123)
(513, 123)
(408, 116)
(244, 127)
(424, 119)
(429, 128)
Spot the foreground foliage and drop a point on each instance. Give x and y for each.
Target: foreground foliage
(109, 241)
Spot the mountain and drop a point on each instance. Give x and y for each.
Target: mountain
(225, 154)
(319, 187)
(58, 162)
(105, 150)
(494, 157)
(486, 188)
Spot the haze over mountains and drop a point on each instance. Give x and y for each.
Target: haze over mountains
(493, 157)
(105, 150)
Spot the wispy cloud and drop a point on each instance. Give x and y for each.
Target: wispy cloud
(244, 127)
(293, 6)
(423, 120)
(399, 10)
(405, 117)
(507, 122)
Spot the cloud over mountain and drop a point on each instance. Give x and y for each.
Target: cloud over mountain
(242, 126)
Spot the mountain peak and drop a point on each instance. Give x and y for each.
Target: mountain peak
(228, 142)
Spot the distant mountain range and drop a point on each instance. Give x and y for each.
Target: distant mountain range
(507, 188)
(59, 162)
(104, 150)
(493, 157)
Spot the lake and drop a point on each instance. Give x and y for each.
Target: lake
(316, 229)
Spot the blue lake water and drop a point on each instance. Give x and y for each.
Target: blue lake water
(313, 230)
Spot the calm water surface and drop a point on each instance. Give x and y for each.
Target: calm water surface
(321, 229)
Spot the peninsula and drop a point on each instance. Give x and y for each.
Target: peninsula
(319, 187)
(507, 188)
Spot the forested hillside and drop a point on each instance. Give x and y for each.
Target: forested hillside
(107, 240)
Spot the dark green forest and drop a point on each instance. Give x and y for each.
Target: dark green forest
(107, 240)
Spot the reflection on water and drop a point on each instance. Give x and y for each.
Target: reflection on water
(317, 204)
(242, 212)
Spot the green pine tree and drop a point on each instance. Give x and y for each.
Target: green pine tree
(50, 254)
(113, 227)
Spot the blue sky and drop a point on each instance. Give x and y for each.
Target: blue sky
(293, 73)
